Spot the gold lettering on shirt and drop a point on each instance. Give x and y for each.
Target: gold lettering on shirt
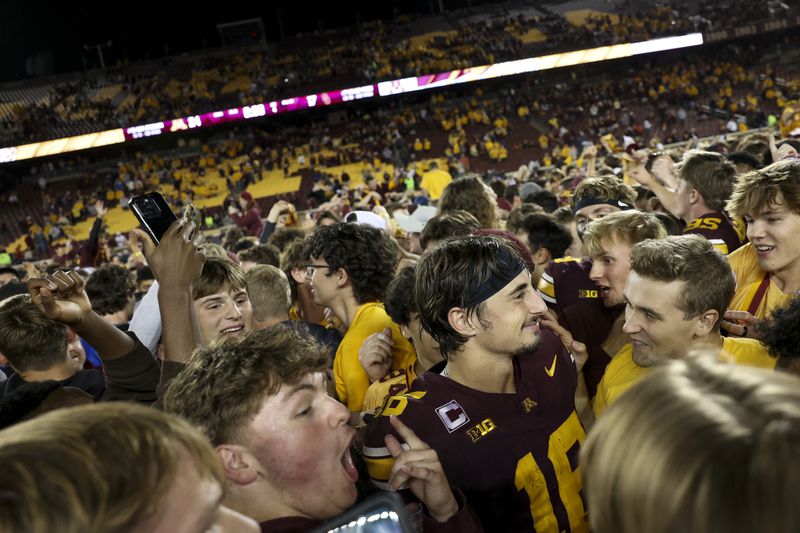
(480, 430)
(528, 405)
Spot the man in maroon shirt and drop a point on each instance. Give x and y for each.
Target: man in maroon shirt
(704, 183)
(501, 415)
(246, 214)
(566, 281)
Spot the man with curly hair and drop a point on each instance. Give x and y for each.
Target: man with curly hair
(350, 267)
(111, 290)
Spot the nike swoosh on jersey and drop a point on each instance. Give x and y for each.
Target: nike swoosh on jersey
(552, 370)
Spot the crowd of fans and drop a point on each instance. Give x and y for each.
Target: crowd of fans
(303, 361)
(524, 309)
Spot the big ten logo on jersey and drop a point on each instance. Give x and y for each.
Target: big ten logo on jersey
(481, 430)
(587, 293)
(710, 223)
(452, 415)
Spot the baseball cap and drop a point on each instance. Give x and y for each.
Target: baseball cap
(415, 222)
(366, 217)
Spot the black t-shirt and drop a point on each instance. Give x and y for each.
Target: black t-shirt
(91, 382)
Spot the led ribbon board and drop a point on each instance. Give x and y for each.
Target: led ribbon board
(324, 99)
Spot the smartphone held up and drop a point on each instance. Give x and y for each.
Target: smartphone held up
(153, 213)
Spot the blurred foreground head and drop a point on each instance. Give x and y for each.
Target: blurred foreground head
(697, 447)
(111, 468)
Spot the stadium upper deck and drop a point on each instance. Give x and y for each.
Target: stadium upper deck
(181, 86)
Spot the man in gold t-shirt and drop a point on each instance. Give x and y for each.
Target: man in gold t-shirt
(401, 307)
(350, 266)
(435, 180)
(675, 296)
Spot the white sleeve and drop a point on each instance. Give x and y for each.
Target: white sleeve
(146, 320)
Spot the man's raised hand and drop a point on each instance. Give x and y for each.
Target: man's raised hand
(640, 174)
(278, 208)
(578, 349)
(61, 297)
(176, 261)
(375, 354)
(417, 465)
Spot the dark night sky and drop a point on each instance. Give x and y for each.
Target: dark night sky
(58, 31)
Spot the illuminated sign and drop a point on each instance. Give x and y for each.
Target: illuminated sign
(254, 111)
(147, 130)
(384, 88)
(8, 154)
(59, 146)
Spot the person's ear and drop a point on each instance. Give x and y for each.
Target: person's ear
(706, 322)
(240, 466)
(299, 275)
(460, 321)
(405, 331)
(342, 277)
(541, 256)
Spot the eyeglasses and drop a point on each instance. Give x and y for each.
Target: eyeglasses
(311, 268)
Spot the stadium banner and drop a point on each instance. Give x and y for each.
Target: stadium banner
(757, 28)
(324, 99)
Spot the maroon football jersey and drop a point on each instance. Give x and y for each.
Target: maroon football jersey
(565, 282)
(590, 324)
(515, 456)
(718, 229)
